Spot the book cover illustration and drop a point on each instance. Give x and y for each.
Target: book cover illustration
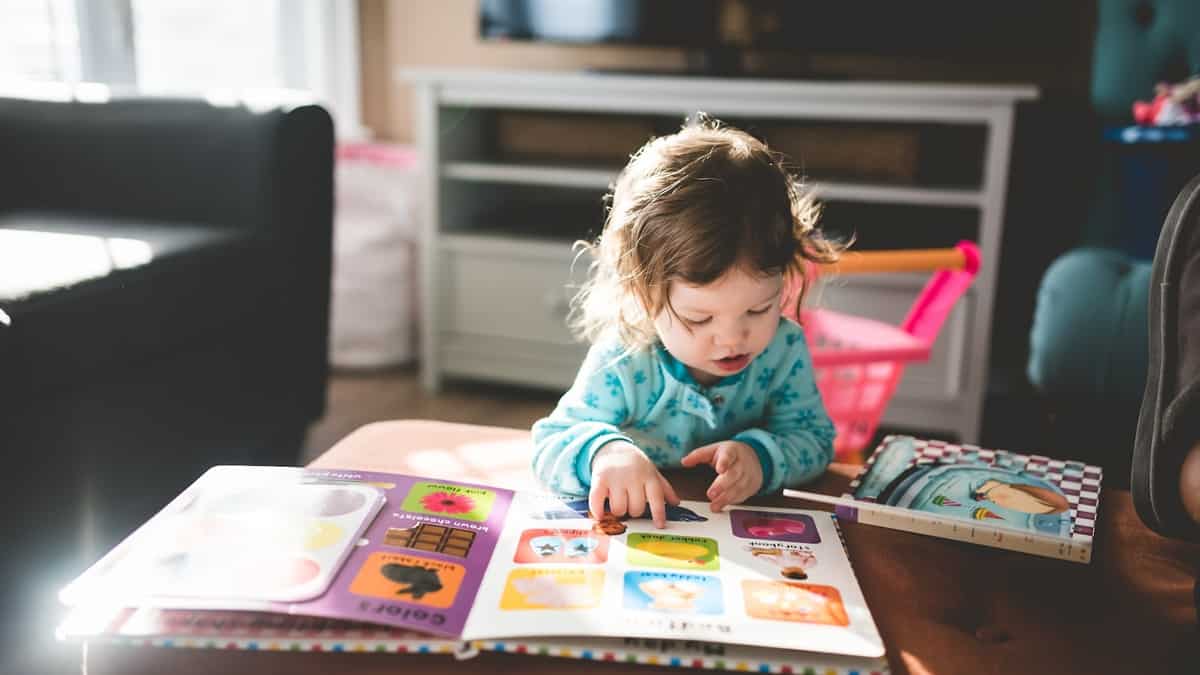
(1027, 493)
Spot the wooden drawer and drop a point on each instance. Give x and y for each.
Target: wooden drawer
(514, 290)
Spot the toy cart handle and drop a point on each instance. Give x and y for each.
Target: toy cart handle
(963, 256)
(954, 271)
(941, 293)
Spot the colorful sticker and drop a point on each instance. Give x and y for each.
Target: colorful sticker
(791, 561)
(774, 526)
(557, 588)
(673, 592)
(561, 546)
(433, 538)
(792, 601)
(449, 501)
(672, 551)
(396, 576)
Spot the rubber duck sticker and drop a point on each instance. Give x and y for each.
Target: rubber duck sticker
(672, 551)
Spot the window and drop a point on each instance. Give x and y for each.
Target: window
(39, 41)
(252, 50)
(211, 44)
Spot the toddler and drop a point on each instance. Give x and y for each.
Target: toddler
(691, 360)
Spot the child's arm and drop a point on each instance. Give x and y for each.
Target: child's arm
(587, 417)
(795, 443)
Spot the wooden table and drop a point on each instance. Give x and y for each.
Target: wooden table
(942, 607)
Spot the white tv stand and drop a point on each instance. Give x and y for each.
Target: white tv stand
(495, 288)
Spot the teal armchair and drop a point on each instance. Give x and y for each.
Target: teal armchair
(1088, 343)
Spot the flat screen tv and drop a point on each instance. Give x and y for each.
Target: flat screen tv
(719, 30)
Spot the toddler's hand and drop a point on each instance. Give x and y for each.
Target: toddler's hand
(739, 475)
(624, 475)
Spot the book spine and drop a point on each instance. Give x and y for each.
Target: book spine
(846, 513)
(996, 537)
(290, 643)
(678, 657)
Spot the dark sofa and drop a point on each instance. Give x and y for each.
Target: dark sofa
(165, 270)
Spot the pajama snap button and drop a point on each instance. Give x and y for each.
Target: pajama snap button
(718, 399)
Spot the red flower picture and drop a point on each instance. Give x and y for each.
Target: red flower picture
(444, 502)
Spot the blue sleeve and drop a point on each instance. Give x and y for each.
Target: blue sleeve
(589, 415)
(795, 442)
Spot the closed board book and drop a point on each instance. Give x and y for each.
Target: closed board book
(1028, 503)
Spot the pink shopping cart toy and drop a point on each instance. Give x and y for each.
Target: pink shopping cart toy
(858, 361)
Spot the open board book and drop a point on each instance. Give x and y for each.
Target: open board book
(271, 557)
(1029, 503)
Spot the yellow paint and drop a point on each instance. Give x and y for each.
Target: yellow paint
(322, 534)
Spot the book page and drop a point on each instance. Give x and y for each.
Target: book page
(759, 576)
(309, 542)
(422, 560)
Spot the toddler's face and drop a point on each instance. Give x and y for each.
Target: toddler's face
(722, 326)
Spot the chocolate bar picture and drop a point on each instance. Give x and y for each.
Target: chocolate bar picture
(433, 538)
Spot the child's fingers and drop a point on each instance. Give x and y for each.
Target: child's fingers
(728, 488)
(668, 491)
(637, 500)
(726, 458)
(596, 498)
(658, 510)
(724, 482)
(617, 501)
(701, 455)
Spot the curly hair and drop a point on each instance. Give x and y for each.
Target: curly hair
(688, 207)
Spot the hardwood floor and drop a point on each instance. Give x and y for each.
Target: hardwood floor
(356, 398)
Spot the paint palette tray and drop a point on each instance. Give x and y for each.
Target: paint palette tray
(253, 534)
